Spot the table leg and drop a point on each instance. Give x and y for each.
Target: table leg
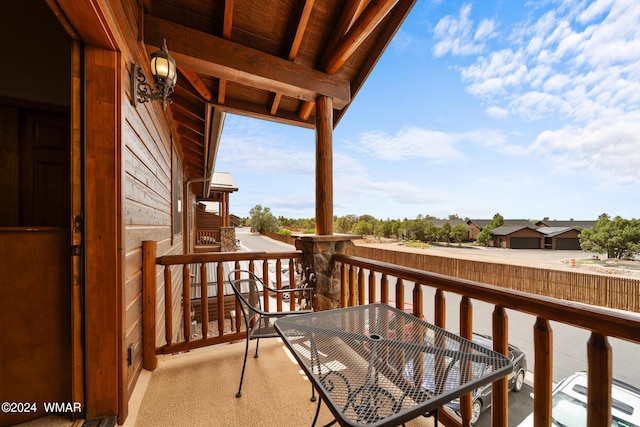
(315, 419)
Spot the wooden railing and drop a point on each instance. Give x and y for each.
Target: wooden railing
(167, 303)
(168, 309)
(620, 293)
(207, 237)
(365, 280)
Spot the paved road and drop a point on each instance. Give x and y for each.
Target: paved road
(520, 405)
(253, 242)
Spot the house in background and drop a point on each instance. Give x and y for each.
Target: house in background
(517, 237)
(578, 224)
(476, 225)
(215, 231)
(524, 234)
(561, 238)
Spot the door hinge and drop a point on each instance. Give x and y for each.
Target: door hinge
(75, 250)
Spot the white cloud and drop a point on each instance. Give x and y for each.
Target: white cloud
(455, 35)
(247, 145)
(559, 56)
(411, 142)
(497, 112)
(402, 41)
(607, 149)
(436, 147)
(577, 65)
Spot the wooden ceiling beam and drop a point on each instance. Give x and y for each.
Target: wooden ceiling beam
(400, 13)
(351, 11)
(215, 124)
(194, 79)
(227, 27)
(262, 112)
(366, 22)
(375, 12)
(217, 57)
(301, 28)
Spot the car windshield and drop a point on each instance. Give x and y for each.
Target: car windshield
(570, 412)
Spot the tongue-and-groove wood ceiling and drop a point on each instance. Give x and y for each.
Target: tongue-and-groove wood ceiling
(267, 59)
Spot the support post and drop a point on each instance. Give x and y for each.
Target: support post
(324, 165)
(149, 289)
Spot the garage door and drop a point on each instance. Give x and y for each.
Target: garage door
(525, 243)
(571, 244)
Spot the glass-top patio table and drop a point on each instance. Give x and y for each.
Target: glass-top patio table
(375, 365)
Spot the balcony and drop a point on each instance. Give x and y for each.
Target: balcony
(196, 387)
(361, 280)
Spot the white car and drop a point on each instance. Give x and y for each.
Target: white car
(569, 404)
(284, 280)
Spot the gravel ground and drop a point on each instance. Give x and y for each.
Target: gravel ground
(552, 259)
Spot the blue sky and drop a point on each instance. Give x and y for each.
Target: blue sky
(530, 109)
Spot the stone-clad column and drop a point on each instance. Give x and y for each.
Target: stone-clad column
(228, 239)
(317, 256)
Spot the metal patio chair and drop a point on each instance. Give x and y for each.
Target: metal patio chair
(249, 290)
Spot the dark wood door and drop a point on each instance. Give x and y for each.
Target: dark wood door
(35, 267)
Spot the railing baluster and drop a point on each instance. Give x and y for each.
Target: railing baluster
(400, 294)
(292, 285)
(543, 368)
(344, 289)
(168, 306)
(440, 309)
(204, 300)
(384, 289)
(499, 388)
(362, 296)
(466, 331)
(417, 301)
(220, 296)
(186, 302)
(372, 287)
(278, 283)
(265, 278)
(238, 320)
(352, 286)
(599, 380)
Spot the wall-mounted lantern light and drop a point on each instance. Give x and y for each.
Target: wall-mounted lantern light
(163, 69)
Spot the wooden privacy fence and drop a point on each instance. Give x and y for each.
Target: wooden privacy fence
(606, 291)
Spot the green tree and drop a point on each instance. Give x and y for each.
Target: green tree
(262, 219)
(444, 233)
(460, 233)
(497, 221)
(344, 224)
(484, 237)
(618, 238)
(364, 228)
(430, 232)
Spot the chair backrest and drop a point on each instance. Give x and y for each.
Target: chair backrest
(247, 287)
